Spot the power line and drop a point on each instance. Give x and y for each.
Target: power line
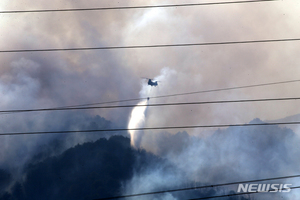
(152, 105)
(149, 46)
(131, 7)
(178, 94)
(195, 92)
(225, 89)
(198, 187)
(237, 194)
(153, 128)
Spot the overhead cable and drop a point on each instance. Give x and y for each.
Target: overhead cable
(187, 93)
(152, 128)
(225, 89)
(198, 187)
(152, 105)
(173, 95)
(131, 7)
(149, 46)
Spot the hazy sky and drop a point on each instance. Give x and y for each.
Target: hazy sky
(50, 79)
(65, 78)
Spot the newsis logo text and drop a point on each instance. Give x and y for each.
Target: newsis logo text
(264, 188)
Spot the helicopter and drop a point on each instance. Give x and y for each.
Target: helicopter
(151, 82)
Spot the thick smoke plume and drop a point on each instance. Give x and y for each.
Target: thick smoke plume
(229, 155)
(54, 79)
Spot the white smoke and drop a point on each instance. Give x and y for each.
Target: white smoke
(225, 155)
(229, 155)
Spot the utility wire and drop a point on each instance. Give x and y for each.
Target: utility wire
(150, 46)
(153, 128)
(178, 94)
(198, 187)
(153, 105)
(195, 92)
(225, 89)
(131, 7)
(237, 194)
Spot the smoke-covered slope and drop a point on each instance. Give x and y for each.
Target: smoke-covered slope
(93, 170)
(109, 167)
(87, 171)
